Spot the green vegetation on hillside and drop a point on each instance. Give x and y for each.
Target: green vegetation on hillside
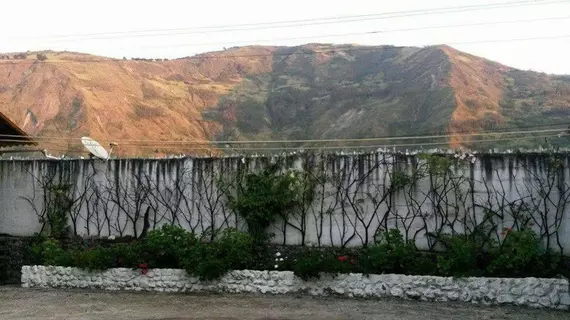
(353, 94)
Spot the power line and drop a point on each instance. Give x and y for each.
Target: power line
(333, 49)
(365, 33)
(303, 22)
(54, 139)
(345, 147)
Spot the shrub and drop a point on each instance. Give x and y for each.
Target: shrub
(51, 254)
(311, 262)
(309, 265)
(94, 259)
(262, 198)
(232, 250)
(394, 255)
(166, 246)
(464, 255)
(521, 255)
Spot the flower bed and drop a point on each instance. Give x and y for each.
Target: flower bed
(517, 271)
(532, 292)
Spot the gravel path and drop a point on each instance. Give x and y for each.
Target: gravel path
(33, 304)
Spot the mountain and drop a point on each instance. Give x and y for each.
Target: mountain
(314, 91)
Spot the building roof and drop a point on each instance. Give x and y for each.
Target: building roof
(11, 135)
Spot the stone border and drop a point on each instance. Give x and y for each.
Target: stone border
(531, 292)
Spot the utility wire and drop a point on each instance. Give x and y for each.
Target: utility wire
(345, 147)
(380, 31)
(304, 22)
(333, 49)
(199, 142)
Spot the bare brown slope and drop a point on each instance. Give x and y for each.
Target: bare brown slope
(478, 85)
(389, 90)
(71, 95)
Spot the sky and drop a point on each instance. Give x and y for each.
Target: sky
(530, 35)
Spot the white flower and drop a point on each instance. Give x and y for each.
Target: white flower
(281, 259)
(278, 254)
(276, 266)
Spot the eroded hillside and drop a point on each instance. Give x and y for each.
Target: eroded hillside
(69, 95)
(307, 92)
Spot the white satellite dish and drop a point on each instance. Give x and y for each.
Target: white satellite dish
(96, 150)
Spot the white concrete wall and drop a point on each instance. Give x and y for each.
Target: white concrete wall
(182, 191)
(532, 292)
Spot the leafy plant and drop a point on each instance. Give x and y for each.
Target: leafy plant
(51, 253)
(56, 216)
(233, 250)
(261, 198)
(309, 265)
(94, 259)
(521, 254)
(167, 245)
(391, 254)
(462, 256)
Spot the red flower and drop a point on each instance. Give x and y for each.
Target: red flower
(342, 258)
(352, 261)
(144, 271)
(143, 265)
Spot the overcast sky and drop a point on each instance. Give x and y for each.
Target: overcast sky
(33, 25)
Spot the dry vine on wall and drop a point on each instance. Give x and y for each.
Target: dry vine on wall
(332, 200)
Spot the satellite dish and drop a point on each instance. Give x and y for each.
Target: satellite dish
(96, 150)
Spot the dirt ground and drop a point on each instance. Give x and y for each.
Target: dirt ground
(33, 304)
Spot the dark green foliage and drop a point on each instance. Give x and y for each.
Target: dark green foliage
(251, 116)
(57, 211)
(393, 255)
(464, 255)
(261, 198)
(309, 265)
(14, 253)
(352, 94)
(519, 255)
(233, 250)
(166, 246)
(52, 254)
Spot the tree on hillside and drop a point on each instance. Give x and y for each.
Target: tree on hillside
(41, 56)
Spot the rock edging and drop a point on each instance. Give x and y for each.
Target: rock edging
(531, 292)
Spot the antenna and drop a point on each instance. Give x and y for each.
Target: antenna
(96, 150)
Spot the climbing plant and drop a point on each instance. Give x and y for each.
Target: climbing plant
(261, 198)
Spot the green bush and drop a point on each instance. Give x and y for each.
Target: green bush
(463, 255)
(166, 246)
(51, 253)
(309, 265)
(262, 198)
(521, 255)
(311, 262)
(94, 259)
(232, 250)
(392, 254)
